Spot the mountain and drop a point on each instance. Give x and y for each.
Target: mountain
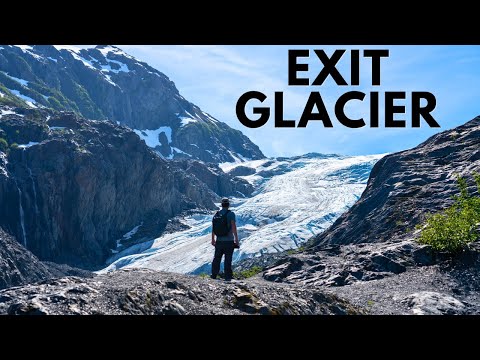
(70, 187)
(106, 83)
(294, 199)
(369, 256)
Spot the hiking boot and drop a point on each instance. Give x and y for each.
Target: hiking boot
(213, 277)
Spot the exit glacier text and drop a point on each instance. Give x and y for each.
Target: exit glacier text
(421, 103)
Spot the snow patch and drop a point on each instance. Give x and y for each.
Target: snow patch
(85, 62)
(132, 232)
(73, 48)
(2, 94)
(24, 48)
(178, 151)
(187, 120)
(108, 68)
(21, 81)
(8, 112)
(110, 49)
(151, 136)
(31, 143)
(52, 59)
(27, 49)
(30, 102)
(209, 117)
(109, 79)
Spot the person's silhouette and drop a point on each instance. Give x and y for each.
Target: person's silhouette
(224, 238)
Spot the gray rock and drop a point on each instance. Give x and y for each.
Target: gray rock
(423, 256)
(18, 266)
(434, 303)
(403, 187)
(145, 292)
(80, 191)
(241, 171)
(281, 271)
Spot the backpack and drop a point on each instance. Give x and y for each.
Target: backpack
(220, 224)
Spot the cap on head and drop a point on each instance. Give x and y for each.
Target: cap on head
(225, 202)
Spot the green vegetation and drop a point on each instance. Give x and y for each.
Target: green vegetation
(3, 145)
(297, 250)
(245, 274)
(454, 228)
(8, 98)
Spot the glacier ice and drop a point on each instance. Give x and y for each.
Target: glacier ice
(296, 198)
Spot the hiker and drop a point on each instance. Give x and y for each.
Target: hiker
(225, 230)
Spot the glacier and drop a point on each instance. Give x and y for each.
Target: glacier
(296, 198)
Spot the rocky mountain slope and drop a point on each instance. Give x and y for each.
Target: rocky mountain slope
(146, 292)
(17, 265)
(369, 255)
(70, 187)
(404, 186)
(106, 83)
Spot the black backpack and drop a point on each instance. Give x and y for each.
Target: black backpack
(220, 224)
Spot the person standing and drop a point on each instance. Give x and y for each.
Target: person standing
(224, 238)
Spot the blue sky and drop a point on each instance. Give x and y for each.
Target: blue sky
(214, 77)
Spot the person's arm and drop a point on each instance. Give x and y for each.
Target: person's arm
(235, 234)
(213, 237)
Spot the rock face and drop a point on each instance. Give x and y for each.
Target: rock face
(369, 256)
(18, 266)
(216, 180)
(144, 292)
(72, 186)
(405, 186)
(106, 83)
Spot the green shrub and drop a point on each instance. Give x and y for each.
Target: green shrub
(3, 145)
(454, 228)
(254, 270)
(14, 146)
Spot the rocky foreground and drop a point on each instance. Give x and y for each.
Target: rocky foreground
(146, 292)
(370, 255)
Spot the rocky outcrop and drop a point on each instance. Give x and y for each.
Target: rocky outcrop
(72, 187)
(405, 186)
(369, 256)
(241, 171)
(216, 180)
(106, 83)
(19, 266)
(145, 292)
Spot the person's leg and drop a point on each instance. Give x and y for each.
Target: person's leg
(228, 261)
(217, 260)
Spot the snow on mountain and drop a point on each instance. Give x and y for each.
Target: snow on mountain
(104, 82)
(296, 199)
